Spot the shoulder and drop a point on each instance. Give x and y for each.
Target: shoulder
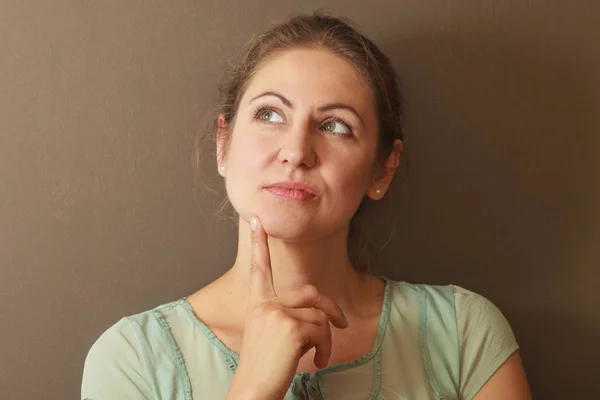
(130, 333)
(136, 328)
(477, 316)
(467, 300)
(419, 295)
(463, 303)
(122, 361)
(461, 330)
(473, 314)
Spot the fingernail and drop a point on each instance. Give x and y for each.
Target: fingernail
(253, 223)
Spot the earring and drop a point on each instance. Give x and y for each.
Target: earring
(222, 168)
(378, 191)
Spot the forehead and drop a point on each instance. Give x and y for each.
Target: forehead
(312, 76)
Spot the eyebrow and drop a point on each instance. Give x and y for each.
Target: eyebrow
(326, 107)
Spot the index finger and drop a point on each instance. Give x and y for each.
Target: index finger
(309, 296)
(261, 275)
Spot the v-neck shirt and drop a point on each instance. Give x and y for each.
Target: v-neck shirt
(432, 342)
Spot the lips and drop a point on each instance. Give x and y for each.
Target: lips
(293, 190)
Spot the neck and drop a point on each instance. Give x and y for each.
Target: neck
(323, 263)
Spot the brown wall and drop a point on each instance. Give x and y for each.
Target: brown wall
(99, 105)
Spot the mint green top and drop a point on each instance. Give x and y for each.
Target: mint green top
(433, 342)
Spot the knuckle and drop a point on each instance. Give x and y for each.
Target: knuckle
(311, 291)
(291, 326)
(254, 266)
(279, 315)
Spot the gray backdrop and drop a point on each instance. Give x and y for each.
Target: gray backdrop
(100, 102)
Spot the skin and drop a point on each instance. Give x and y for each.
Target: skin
(292, 300)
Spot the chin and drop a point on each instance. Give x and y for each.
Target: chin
(289, 231)
(287, 226)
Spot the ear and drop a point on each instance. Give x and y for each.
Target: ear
(222, 127)
(381, 183)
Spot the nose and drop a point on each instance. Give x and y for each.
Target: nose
(297, 148)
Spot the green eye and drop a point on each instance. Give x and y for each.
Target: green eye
(269, 116)
(336, 127)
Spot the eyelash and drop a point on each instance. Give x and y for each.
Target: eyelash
(341, 121)
(261, 109)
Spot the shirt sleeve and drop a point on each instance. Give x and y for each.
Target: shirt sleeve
(485, 338)
(113, 367)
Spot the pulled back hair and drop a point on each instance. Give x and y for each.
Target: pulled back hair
(344, 39)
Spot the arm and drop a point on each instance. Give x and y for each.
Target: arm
(508, 382)
(490, 364)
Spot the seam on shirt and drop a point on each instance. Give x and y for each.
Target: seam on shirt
(215, 341)
(181, 368)
(230, 363)
(147, 358)
(456, 379)
(458, 340)
(377, 375)
(423, 339)
(232, 358)
(168, 306)
(381, 328)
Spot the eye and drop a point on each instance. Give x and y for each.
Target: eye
(337, 127)
(268, 115)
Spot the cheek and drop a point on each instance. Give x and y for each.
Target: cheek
(245, 162)
(346, 182)
(247, 154)
(350, 174)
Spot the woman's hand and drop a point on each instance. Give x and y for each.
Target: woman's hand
(279, 329)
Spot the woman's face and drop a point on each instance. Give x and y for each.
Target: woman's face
(307, 116)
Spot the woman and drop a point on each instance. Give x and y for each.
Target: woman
(308, 132)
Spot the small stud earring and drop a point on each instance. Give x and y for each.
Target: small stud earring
(378, 191)
(223, 168)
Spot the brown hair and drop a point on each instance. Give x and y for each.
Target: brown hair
(345, 40)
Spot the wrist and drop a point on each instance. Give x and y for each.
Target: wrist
(244, 389)
(240, 390)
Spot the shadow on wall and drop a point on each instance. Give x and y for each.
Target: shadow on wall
(499, 138)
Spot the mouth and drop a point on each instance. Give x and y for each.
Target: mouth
(298, 191)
